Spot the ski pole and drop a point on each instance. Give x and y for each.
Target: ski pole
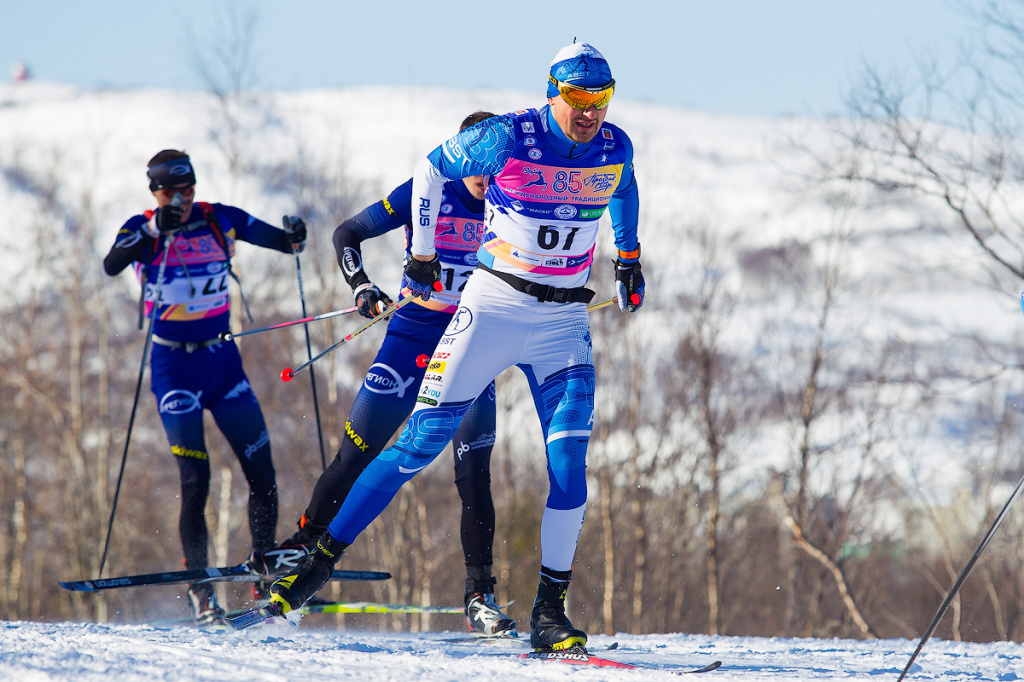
(138, 388)
(967, 569)
(597, 306)
(227, 336)
(288, 374)
(962, 577)
(289, 225)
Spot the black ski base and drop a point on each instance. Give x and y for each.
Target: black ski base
(239, 573)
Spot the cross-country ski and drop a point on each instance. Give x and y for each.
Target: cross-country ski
(583, 657)
(239, 573)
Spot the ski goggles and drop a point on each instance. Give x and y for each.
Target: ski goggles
(173, 174)
(584, 98)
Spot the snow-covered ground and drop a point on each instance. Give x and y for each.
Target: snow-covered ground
(739, 175)
(77, 651)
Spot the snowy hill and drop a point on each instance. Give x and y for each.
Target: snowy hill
(748, 181)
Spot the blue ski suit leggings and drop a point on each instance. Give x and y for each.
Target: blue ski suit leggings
(384, 402)
(494, 328)
(213, 379)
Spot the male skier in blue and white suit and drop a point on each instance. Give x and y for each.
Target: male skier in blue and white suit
(526, 306)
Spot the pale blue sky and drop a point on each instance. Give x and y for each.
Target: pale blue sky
(756, 57)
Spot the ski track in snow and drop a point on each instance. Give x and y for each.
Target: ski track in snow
(84, 651)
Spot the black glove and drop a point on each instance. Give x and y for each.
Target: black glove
(371, 300)
(422, 277)
(629, 285)
(295, 228)
(168, 218)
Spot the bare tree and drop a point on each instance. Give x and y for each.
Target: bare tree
(716, 415)
(951, 133)
(226, 64)
(64, 345)
(948, 136)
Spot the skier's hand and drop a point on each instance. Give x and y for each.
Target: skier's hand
(629, 285)
(371, 300)
(422, 277)
(167, 219)
(295, 228)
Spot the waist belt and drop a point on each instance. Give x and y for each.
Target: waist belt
(543, 292)
(189, 346)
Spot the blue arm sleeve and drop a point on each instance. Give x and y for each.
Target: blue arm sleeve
(381, 217)
(624, 207)
(373, 221)
(483, 149)
(253, 230)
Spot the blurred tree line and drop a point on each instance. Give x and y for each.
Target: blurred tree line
(694, 524)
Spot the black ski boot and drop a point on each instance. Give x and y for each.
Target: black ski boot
(287, 556)
(550, 628)
(483, 615)
(205, 609)
(292, 591)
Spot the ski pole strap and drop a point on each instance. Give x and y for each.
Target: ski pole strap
(189, 346)
(543, 292)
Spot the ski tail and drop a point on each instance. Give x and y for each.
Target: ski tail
(374, 607)
(580, 656)
(360, 575)
(240, 620)
(185, 576)
(575, 656)
(714, 665)
(239, 573)
(263, 614)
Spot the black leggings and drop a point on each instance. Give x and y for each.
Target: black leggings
(472, 446)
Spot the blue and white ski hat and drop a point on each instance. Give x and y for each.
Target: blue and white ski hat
(579, 64)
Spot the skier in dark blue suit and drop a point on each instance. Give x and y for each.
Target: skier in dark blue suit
(389, 390)
(192, 368)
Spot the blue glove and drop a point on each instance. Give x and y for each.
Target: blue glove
(629, 285)
(422, 278)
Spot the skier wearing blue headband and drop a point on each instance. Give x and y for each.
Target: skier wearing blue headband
(181, 252)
